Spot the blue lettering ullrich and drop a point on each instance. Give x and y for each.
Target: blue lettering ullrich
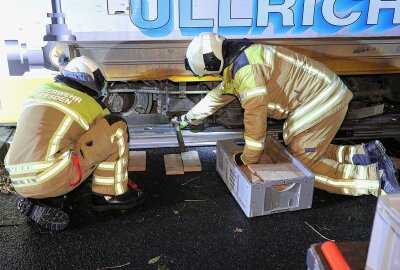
(285, 17)
(140, 14)
(186, 19)
(225, 16)
(161, 26)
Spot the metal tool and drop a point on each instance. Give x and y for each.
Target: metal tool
(179, 137)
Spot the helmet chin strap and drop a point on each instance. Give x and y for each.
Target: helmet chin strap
(76, 85)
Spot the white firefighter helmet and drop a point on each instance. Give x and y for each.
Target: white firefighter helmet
(204, 54)
(86, 72)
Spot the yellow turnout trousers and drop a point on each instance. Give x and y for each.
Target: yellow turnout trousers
(332, 164)
(101, 150)
(110, 164)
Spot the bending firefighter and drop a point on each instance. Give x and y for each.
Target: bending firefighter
(63, 136)
(271, 81)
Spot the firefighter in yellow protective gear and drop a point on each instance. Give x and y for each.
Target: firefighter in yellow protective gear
(64, 135)
(272, 81)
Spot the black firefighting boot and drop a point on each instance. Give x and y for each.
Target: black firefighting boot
(133, 197)
(388, 184)
(45, 212)
(377, 153)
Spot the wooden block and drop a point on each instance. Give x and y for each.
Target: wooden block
(173, 164)
(272, 167)
(275, 175)
(137, 161)
(191, 161)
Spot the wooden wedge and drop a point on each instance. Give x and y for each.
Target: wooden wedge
(173, 164)
(137, 161)
(191, 161)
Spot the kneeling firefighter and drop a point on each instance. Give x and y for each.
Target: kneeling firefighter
(63, 136)
(272, 81)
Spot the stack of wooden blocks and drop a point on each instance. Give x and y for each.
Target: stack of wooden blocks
(174, 163)
(181, 163)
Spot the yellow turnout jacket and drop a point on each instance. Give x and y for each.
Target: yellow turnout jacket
(275, 82)
(54, 117)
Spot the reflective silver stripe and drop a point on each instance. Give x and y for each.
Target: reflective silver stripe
(303, 66)
(121, 144)
(268, 56)
(319, 111)
(34, 164)
(274, 106)
(361, 184)
(23, 182)
(46, 175)
(253, 143)
(119, 132)
(120, 141)
(362, 172)
(285, 130)
(120, 177)
(120, 171)
(66, 110)
(56, 168)
(340, 154)
(54, 145)
(253, 92)
(311, 105)
(348, 168)
(103, 180)
(107, 165)
(119, 189)
(24, 168)
(285, 135)
(352, 153)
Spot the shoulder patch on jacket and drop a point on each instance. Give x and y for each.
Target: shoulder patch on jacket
(240, 62)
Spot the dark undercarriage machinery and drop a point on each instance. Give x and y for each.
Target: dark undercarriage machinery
(148, 85)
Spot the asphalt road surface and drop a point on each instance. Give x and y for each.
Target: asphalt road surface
(209, 231)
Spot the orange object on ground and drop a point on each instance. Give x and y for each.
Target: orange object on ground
(334, 256)
(132, 184)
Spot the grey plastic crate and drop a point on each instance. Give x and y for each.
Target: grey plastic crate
(384, 248)
(258, 199)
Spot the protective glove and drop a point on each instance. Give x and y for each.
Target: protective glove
(238, 158)
(182, 121)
